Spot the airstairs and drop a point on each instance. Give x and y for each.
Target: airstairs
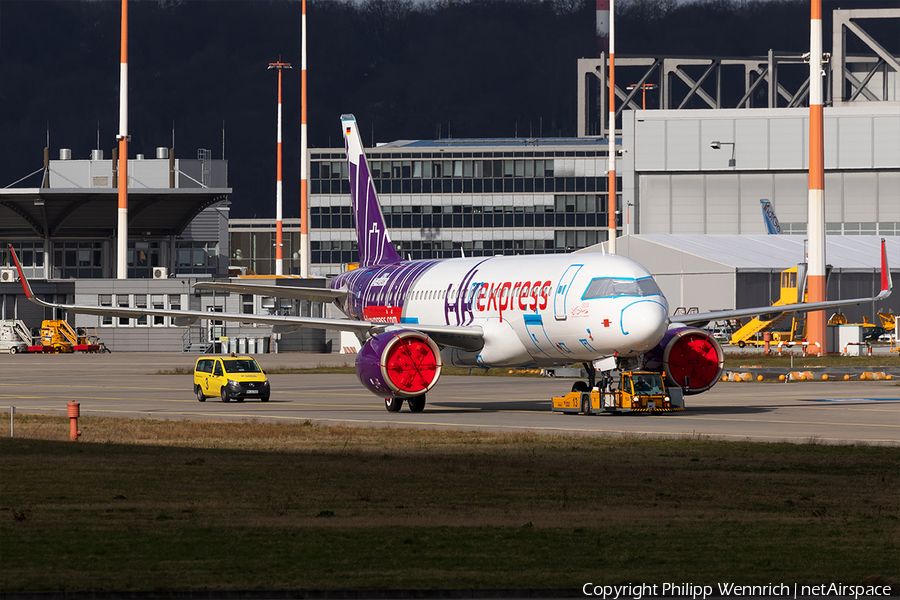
(793, 287)
(14, 336)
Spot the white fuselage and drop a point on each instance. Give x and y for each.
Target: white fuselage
(534, 310)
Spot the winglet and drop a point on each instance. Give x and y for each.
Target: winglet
(25, 285)
(373, 240)
(887, 283)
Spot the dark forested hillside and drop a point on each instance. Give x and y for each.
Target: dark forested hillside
(407, 70)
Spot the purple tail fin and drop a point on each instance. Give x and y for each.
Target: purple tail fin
(375, 247)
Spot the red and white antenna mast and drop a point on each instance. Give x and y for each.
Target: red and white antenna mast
(304, 165)
(815, 323)
(602, 27)
(611, 127)
(122, 215)
(279, 240)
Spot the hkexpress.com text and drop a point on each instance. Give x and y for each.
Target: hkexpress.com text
(689, 590)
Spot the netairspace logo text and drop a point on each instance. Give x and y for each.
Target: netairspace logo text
(637, 591)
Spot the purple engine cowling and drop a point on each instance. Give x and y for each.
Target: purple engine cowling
(399, 364)
(691, 359)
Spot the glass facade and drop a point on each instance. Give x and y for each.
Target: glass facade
(77, 260)
(442, 203)
(252, 245)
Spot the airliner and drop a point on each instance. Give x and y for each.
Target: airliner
(414, 316)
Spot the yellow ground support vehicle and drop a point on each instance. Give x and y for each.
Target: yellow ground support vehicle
(792, 291)
(637, 391)
(871, 331)
(57, 336)
(888, 321)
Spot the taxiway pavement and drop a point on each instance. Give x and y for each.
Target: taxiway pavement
(129, 385)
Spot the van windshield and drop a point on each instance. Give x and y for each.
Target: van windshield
(241, 365)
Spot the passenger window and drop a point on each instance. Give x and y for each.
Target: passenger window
(218, 371)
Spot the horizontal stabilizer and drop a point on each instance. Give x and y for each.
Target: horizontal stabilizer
(278, 291)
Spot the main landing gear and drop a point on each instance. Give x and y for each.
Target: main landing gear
(586, 386)
(604, 380)
(416, 404)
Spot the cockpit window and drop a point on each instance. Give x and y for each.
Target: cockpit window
(609, 287)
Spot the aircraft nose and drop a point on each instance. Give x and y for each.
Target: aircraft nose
(643, 324)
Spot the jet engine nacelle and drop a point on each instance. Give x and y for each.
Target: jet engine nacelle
(691, 359)
(399, 364)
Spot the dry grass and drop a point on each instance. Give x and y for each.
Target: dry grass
(189, 505)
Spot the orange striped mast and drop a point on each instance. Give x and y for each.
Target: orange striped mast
(611, 203)
(304, 160)
(816, 324)
(122, 214)
(279, 241)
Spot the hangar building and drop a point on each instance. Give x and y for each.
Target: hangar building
(711, 272)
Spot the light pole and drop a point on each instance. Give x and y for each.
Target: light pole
(279, 263)
(644, 88)
(123, 137)
(718, 146)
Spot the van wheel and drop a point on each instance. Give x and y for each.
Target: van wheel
(225, 397)
(199, 391)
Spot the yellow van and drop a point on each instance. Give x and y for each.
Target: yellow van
(230, 377)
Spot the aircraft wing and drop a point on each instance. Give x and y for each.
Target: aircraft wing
(279, 291)
(700, 319)
(464, 338)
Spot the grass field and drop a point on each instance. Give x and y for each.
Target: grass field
(183, 505)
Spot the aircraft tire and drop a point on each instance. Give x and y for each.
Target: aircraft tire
(199, 391)
(416, 404)
(580, 386)
(393, 404)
